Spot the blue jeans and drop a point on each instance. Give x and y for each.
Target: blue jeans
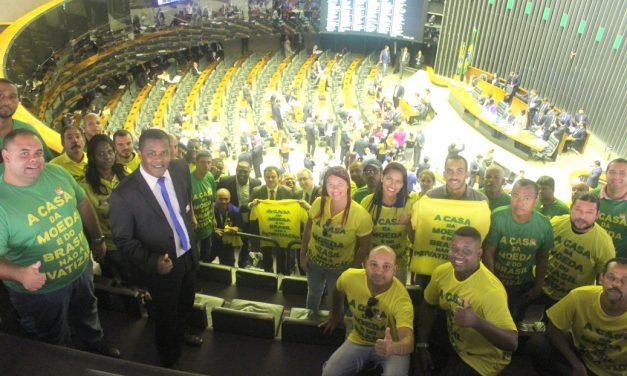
(317, 278)
(350, 358)
(49, 316)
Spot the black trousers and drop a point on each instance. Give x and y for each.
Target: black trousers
(311, 147)
(173, 299)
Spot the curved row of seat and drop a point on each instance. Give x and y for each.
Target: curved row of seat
(118, 113)
(131, 118)
(202, 109)
(216, 103)
(194, 93)
(261, 85)
(348, 81)
(322, 82)
(336, 83)
(72, 76)
(292, 69)
(232, 106)
(366, 72)
(164, 108)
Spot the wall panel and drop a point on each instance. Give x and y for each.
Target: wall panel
(540, 50)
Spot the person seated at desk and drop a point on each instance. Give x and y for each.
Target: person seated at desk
(520, 120)
(484, 99)
(564, 119)
(577, 138)
(533, 103)
(495, 80)
(582, 118)
(512, 83)
(489, 108)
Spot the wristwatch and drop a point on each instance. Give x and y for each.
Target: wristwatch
(98, 239)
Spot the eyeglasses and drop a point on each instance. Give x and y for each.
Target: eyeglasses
(326, 228)
(372, 301)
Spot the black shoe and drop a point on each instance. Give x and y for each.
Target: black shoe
(105, 349)
(192, 340)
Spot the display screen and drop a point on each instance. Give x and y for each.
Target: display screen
(396, 18)
(164, 2)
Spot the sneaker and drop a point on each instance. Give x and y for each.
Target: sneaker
(105, 349)
(192, 340)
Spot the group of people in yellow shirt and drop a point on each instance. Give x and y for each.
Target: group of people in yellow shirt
(480, 318)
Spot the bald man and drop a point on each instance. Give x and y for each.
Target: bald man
(494, 180)
(92, 126)
(383, 317)
(228, 220)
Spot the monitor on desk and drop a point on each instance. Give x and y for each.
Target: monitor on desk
(476, 93)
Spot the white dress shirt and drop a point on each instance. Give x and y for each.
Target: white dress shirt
(156, 191)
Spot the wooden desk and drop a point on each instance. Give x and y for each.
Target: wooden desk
(522, 144)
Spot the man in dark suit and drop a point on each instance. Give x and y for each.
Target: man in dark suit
(225, 214)
(246, 141)
(345, 144)
(399, 92)
(225, 147)
(403, 60)
(534, 103)
(275, 105)
(311, 136)
(309, 191)
(272, 190)
(248, 96)
(151, 221)
(241, 186)
(512, 83)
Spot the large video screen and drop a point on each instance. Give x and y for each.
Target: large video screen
(395, 18)
(165, 2)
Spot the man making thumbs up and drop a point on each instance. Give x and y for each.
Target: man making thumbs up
(383, 318)
(45, 258)
(480, 326)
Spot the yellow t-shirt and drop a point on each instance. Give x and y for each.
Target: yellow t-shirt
(388, 231)
(279, 219)
(576, 259)
(488, 299)
(101, 204)
(333, 245)
(434, 220)
(601, 339)
(77, 170)
(393, 309)
(133, 163)
(353, 187)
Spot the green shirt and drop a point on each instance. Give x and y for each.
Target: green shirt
(21, 125)
(558, 207)
(503, 200)
(203, 193)
(360, 193)
(517, 245)
(40, 222)
(613, 218)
